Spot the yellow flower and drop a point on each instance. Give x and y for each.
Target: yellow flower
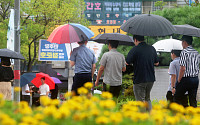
(107, 104)
(94, 112)
(190, 110)
(39, 116)
(158, 118)
(45, 100)
(106, 113)
(88, 85)
(17, 89)
(64, 112)
(84, 115)
(94, 99)
(55, 102)
(171, 120)
(29, 120)
(102, 120)
(1, 96)
(127, 107)
(68, 95)
(163, 103)
(24, 108)
(195, 121)
(116, 117)
(2, 102)
(176, 107)
(106, 95)
(82, 91)
(43, 123)
(76, 117)
(8, 121)
(50, 110)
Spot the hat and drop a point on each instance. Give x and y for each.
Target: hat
(188, 39)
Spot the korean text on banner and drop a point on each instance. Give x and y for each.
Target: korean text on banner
(52, 51)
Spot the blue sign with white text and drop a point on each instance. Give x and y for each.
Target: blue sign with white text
(52, 51)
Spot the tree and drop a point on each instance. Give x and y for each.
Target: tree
(160, 4)
(5, 6)
(40, 17)
(183, 15)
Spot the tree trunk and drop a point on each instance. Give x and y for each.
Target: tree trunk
(31, 61)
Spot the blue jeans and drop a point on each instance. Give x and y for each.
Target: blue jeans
(142, 92)
(189, 84)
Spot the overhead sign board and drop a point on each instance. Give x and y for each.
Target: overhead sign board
(111, 12)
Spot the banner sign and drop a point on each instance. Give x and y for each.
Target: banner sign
(52, 51)
(111, 12)
(106, 29)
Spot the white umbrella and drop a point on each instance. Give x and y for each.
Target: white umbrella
(167, 45)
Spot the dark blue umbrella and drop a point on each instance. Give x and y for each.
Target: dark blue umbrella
(26, 78)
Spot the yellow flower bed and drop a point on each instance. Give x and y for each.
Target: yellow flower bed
(91, 110)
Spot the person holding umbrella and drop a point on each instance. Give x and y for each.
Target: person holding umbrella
(6, 75)
(143, 57)
(84, 61)
(188, 75)
(112, 64)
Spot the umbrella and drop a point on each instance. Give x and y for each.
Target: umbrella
(123, 39)
(167, 45)
(148, 25)
(35, 79)
(70, 33)
(56, 80)
(10, 54)
(187, 30)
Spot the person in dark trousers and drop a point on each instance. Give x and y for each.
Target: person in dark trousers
(143, 57)
(174, 69)
(84, 61)
(54, 92)
(112, 64)
(188, 75)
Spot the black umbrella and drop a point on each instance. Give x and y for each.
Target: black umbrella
(11, 54)
(187, 30)
(123, 39)
(148, 25)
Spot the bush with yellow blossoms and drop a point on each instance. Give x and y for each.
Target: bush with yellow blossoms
(95, 110)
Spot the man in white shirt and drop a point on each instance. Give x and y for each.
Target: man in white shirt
(26, 93)
(44, 88)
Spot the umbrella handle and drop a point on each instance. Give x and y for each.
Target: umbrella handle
(71, 46)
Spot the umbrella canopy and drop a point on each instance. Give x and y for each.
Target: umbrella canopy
(148, 25)
(167, 45)
(10, 54)
(187, 30)
(70, 33)
(123, 39)
(56, 80)
(35, 78)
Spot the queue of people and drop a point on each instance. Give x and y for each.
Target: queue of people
(183, 70)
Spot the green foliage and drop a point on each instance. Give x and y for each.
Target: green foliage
(180, 16)
(129, 91)
(127, 80)
(160, 4)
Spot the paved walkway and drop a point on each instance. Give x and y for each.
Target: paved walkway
(161, 84)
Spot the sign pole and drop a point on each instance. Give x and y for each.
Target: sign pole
(17, 49)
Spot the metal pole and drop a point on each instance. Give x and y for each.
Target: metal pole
(17, 49)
